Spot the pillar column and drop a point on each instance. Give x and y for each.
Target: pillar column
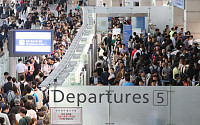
(178, 17)
(145, 2)
(12, 66)
(116, 3)
(158, 3)
(192, 17)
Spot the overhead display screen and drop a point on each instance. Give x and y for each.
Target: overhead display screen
(33, 42)
(178, 3)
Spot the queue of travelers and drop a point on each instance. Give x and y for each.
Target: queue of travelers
(164, 58)
(22, 100)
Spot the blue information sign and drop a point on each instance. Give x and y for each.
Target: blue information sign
(109, 23)
(178, 3)
(33, 42)
(127, 32)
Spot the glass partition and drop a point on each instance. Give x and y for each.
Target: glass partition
(113, 105)
(4, 64)
(140, 105)
(185, 105)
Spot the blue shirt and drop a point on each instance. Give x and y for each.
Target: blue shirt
(128, 84)
(123, 50)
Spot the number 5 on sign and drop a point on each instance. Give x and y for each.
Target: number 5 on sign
(160, 98)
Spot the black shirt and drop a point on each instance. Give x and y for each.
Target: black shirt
(1, 9)
(8, 86)
(15, 109)
(99, 71)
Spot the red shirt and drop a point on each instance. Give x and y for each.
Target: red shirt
(186, 84)
(133, 52)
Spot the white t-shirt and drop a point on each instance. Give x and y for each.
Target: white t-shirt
(32, 113)
(20, 68)
(55, 65)
(18, 117)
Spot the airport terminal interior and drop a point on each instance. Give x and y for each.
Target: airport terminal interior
(99, 62)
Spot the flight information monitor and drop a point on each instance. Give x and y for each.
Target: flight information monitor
(31, 42)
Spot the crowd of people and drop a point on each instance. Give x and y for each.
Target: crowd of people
(164, 58)
(22, 100)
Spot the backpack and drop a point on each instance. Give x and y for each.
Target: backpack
(12, 103)
(154, 69)
(105, 63)
(26, 120)
(22, 88)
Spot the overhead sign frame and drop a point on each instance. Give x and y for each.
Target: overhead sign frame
(179, 3)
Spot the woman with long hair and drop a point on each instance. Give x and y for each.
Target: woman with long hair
(12, 119)
(45, 68)
(33, 121)
(29, 72)
(116, 54)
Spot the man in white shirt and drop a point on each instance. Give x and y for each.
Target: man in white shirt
(20, 68)
(57, 60)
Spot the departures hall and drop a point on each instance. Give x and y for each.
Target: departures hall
(100, 62)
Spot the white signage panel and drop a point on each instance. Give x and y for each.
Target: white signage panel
(67, 116)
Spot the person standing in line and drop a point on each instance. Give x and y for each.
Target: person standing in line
(9, 85)
(45, 68)
(25, 119)
(4, 80)
(24, 8)
(20, 68)
(3, 115)
(29, 72)
(1, 10)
